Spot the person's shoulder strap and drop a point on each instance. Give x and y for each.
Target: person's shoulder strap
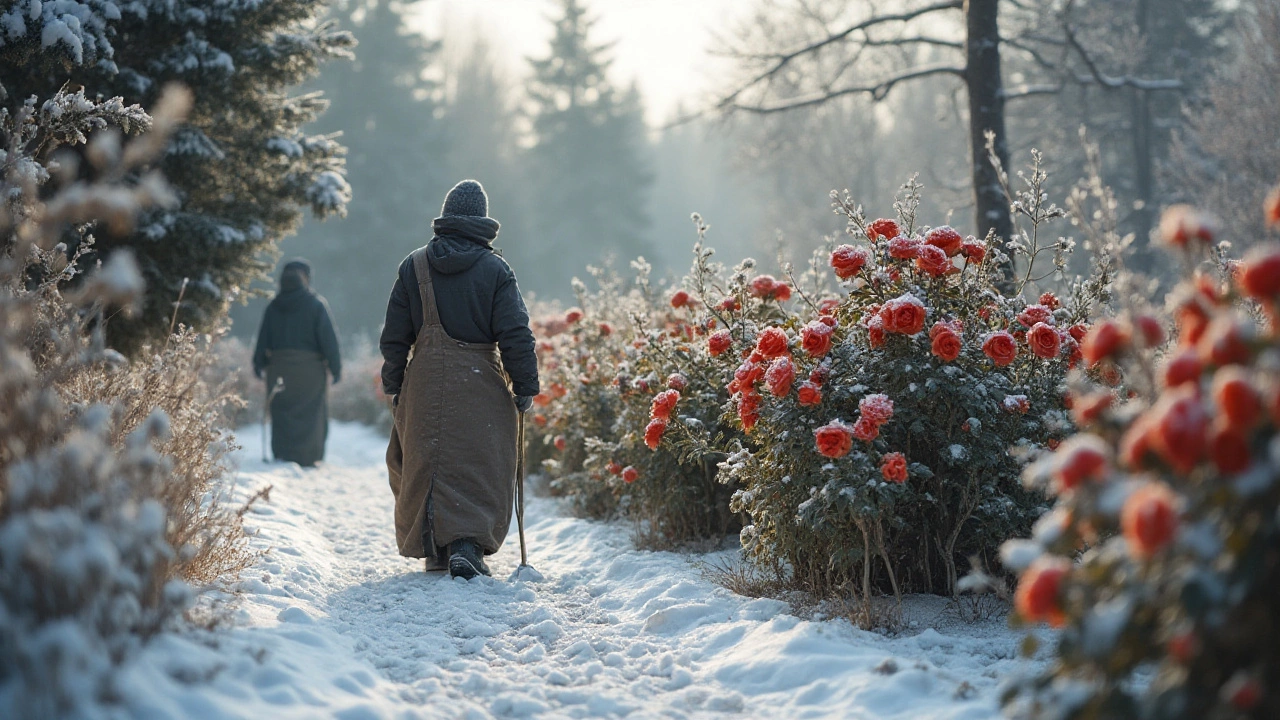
(426, 290)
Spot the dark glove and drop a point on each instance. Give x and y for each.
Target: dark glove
(336, 378)
(524, 402)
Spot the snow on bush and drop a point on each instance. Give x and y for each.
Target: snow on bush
(1160, 561)
(887, 424)
(623, 370)
(107, 471)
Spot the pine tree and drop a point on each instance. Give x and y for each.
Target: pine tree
(389, 114)
(587, 176)
(242, 167)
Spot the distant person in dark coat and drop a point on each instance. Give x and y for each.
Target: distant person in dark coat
(457, 309)
(297, 344)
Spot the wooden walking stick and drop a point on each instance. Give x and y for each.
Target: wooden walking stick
(266, 413)
(525, 571)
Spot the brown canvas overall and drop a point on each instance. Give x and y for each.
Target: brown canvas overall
(452, 455)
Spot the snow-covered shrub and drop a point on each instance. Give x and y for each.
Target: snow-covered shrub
(624, 370)
(887, 425)
(1161, 558)
(103, 506)
(359, 397)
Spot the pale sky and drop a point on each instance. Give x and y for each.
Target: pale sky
(661, 44)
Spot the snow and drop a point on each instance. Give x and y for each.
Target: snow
(334, 623)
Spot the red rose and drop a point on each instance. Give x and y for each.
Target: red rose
(1150, 329)
(1260, 273)
(848, 260)
(816, 338)
(1179, 430)
(663, 404)
(614, 467)
(876, 409)
(630, 474)
(573, 315)
(1078, 332)
(1000, 347)
(542, 399)
(1050, 301)
(540, 420)
(904, 248)
(834, 440)
(749, 409)
(865, 430)
(875, 332)
(679, 299)
(893, 466)
(560, 443)
(810, 394)
(763, 286)
(1149, 519)
(606, 329)
(882, 228)
(945, 238)
(828, 307)
(1044, 341)
(1271, 207)
(932, 261)
(827, 320)
(730, 304)
(1242, 691)
(1229, 448)
(1016, 403)
(653, 432)
(780, 376)
(818, 376)
(903, 315)
(1224, 342)
(1182, 223)
(1182, 368)
(677, 381)
(1086, 410)
(1104, 339)
(974, 250)
(946, 345)
(719, 342)
(748, 374)
(1036, 598)
(1033, 314)
(772, 342)
(1236, 397)
(1082, 457)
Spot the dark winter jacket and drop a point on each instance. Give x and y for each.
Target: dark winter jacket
(297, 319)
(477, 297)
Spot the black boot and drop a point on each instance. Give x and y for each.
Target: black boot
(466, 559)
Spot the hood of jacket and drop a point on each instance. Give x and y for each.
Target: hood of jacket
(460, 241)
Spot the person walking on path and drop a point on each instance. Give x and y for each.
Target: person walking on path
(459, 363)
(297, 344)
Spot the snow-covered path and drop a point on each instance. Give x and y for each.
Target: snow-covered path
(338, 625)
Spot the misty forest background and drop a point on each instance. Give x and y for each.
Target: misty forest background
(578, 178)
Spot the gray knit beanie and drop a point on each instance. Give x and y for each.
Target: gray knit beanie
(466, 198)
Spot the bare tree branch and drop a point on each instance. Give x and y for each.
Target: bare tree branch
(878, 92)
(782, 60)
(1110, 82)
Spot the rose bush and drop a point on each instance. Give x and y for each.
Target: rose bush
(1161, 558)
(890, 463)
(620, 397)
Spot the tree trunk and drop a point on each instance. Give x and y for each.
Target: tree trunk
(986, 114)
(1144, 174)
